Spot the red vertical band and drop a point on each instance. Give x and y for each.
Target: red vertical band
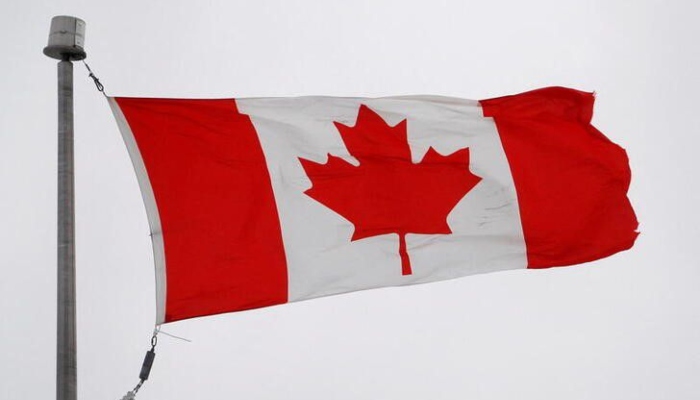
(570, 179)
(221, 232)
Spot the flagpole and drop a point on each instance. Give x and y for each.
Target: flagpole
(66, 38)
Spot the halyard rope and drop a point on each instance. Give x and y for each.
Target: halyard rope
(95, 79)
(145, 367)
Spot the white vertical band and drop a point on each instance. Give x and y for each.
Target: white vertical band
(322, 259)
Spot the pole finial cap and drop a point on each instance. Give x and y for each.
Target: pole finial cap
(66, 39)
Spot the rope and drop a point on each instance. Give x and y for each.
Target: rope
(173, 336)
(100, 87)
(145, 367)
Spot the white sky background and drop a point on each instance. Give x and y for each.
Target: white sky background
(627, 327)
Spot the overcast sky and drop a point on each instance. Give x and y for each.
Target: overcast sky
(627, 327)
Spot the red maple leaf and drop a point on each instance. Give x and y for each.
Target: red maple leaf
(387, 192)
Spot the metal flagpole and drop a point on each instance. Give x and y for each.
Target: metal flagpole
(66, 39)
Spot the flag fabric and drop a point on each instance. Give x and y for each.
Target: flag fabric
(262, 201)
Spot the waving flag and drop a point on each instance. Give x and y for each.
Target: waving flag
(262, 201)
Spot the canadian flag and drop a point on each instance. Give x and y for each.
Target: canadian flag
(262, 201)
